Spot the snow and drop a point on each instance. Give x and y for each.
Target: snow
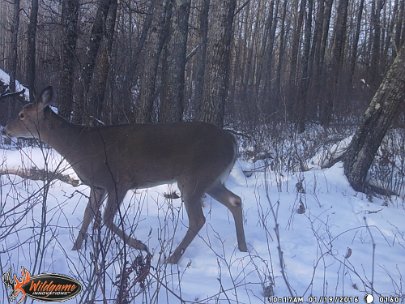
(5, 78)
(212, 270)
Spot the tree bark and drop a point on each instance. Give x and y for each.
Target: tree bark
(399, 26)
(353, 57)
(314, 60)
(270, 106)
(293, 80)
(70, 14)
(376, 121)
(153, 48)
(96, 36)
(375, 51)
(172, 97)
(14, 53)
(201, 53)
(14, 45)
(320, 72)
(218, 61)
(280, 63)
(31, 47)
(337, 61)
(305, 78)
(96, 94)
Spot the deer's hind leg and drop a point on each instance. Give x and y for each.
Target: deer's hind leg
(234, 204)
(93, 205)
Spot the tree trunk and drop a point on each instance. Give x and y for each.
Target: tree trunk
(399, 26)
(280, 63)
(153, 48)
(305, 78)
(320, 72)
(271, 24)
(218, 61)
(136, 55)
(316, 44)
(172, 97)
(337, 62)
(70, 14)
(353, 57)
(14, 54)
(98, 86)
(96, 36)
(31, 47)
(376, 121)
(314, 60)
(375, 52)
(295, 48)
(14, 45)
(201, 53)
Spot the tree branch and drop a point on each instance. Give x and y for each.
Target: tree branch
(40, 174)
(10, 94)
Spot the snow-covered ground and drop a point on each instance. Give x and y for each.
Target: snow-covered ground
(333, 240)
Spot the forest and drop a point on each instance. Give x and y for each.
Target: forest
(226, 62)
(312, 90)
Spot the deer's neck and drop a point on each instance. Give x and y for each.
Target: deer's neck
(58, 133)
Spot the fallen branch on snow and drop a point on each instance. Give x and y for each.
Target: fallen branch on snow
(41, 174)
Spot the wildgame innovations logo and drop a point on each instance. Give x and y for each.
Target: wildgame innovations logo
(47, 287)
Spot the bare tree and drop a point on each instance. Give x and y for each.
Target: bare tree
(14, 52)
(14, 45)
(70, 14)
(87, 68)
(280, 63)
(218, 61)
(377, 6)
(172, 94)
(306, 73)
(201, 53)
(293, 78)
(282, 59)
(376, 121)
(97, 89)
(320, 70)
(268, 50)
(353, 57)
(400, 27)
(31, 47)
(153, 48)
(337, 61)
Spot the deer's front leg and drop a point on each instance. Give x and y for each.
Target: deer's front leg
(94, 204)
(114, 201)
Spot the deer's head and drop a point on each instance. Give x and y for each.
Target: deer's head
(30, 120)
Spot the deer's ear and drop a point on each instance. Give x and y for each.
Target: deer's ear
(45, 99)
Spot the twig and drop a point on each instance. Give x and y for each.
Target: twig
(373, 255)
(241, 8)
(277, 232)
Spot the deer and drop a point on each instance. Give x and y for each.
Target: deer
(112, 160)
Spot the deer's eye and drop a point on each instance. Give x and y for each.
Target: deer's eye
(21, 116)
